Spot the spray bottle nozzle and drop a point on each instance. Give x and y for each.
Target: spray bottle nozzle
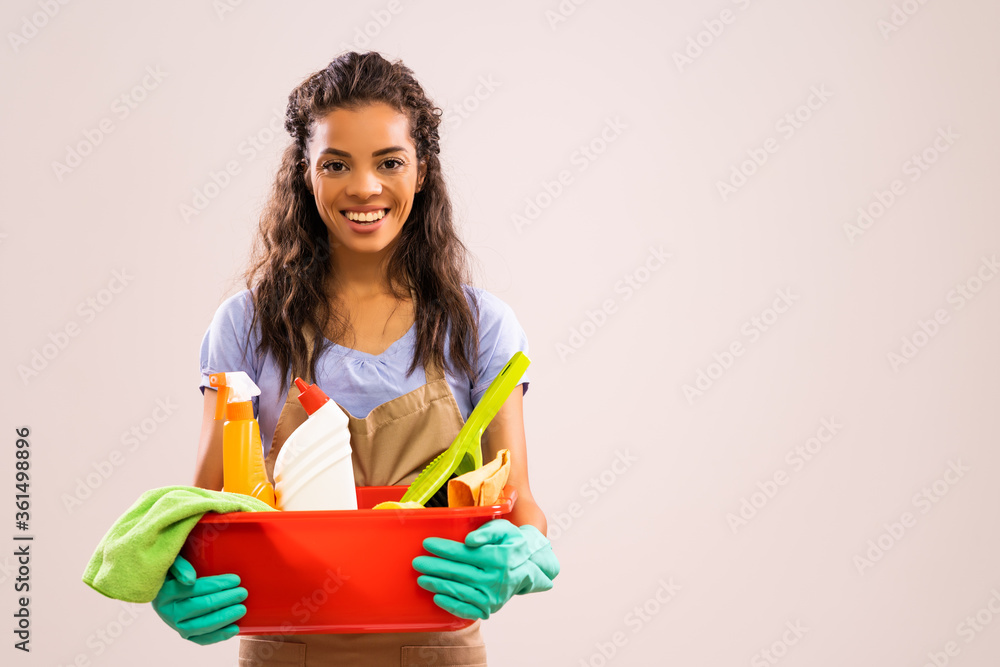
(234, 388)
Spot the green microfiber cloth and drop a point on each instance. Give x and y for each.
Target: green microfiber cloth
(132, 559)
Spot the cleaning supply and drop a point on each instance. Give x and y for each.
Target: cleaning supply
(203, 610)
(465, 453)
(242, 452)
(395, 505)
(132, 559)
(314, 469)
(480, 487)
(497, 561)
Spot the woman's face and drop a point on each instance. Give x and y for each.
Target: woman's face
(362, 165)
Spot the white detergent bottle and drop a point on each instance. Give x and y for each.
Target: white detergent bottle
(314, 469)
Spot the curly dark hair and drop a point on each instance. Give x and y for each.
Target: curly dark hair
(291, 261)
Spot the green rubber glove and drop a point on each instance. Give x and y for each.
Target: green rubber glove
(200, 609)
(497, 561)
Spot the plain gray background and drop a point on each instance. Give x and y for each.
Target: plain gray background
(641, 480)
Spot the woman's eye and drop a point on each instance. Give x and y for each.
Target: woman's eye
(392, 163)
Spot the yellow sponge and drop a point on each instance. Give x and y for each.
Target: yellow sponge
(394, 505)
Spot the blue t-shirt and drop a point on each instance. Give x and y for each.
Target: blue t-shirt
(356, 380)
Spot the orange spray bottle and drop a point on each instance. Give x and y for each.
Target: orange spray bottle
(242, 451)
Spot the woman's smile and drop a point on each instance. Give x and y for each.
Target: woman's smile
(365, 219)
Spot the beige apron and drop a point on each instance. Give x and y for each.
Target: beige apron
(390, 446)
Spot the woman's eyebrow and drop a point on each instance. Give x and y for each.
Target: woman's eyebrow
(381, 151)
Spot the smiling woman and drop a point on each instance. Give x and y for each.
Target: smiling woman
(365, 137)
(360, 284)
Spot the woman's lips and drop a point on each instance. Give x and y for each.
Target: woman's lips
(366, 227)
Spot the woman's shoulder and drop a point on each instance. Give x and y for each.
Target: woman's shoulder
(241, 299)
(226, 345)
(234, 316)
(496, 318)
(500, 336)
(237, 307)
(490, 307)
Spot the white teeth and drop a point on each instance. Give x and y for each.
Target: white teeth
(365, 217)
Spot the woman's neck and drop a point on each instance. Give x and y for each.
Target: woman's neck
(358, 276)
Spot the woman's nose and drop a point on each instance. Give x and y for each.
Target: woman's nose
(364, 184)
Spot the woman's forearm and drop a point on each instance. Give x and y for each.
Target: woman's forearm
(527, 511)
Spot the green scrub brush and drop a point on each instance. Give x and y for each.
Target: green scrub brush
(465, 454)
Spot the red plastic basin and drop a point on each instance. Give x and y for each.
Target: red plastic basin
(335, 571)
